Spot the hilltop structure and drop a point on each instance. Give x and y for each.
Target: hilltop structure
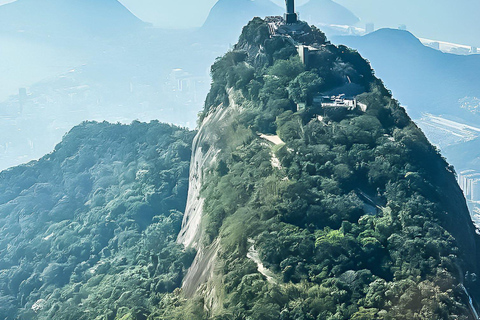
(296, 32)
(291, 16)
(288, 24)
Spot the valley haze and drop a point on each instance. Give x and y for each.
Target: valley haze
(251, 161)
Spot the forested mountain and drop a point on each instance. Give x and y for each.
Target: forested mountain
(348, 214)
(296, 208)
(88, 231)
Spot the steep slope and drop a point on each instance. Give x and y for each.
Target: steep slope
(327, 12)
(347, 214)
(69, 18)
(422, 78)
(88, 231)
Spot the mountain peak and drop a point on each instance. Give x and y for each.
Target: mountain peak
(327, 12)
(227, 17)
(67, 17)
(299, 190)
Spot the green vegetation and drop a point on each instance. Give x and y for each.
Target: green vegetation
(354, 223)
(88, 231)
(354, 216)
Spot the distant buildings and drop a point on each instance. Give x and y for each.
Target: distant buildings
(369, 28)
(434, 45)
(185, 85)
(469, 182)
(22, 98)
(448, 47)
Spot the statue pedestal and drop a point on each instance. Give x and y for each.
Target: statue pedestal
(291, 18)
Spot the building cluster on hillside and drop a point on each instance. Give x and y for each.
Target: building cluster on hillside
(287, 27)
(340, 101)
(335, 104)
(279, 27)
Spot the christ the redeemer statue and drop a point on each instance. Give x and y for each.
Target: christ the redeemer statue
(291, 16)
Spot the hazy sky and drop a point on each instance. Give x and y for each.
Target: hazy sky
(171, 14)
(167, 13)
(447, 20)
(454, 21)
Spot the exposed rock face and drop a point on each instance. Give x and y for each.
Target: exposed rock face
(204, 154)
(203, 158)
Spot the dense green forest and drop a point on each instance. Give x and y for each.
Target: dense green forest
(355, 215)
(88, 231)
(351, 214)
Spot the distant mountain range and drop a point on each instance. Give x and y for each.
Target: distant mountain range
(227, 17)
(73, 57)
(451, 21)
(67, 17)
(422, 78)
(327, 12)
(435, 87)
